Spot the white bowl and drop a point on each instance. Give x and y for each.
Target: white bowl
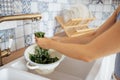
(42, 68)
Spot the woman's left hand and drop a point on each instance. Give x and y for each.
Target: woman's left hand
(43, 42)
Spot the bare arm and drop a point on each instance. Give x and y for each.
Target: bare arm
(105, 44)
(83, 39)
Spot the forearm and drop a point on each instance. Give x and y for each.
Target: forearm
(75, 51)
(83, 39)
(103, 45)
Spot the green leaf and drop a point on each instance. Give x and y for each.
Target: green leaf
(41, 55)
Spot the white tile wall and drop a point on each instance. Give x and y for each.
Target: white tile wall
(19, 32)
(42, 26)
(54, 7)
(45, 16)
(20, 23)
(62, 1)
(27, 22)
(27, 29)
(20, 43)
(51, 24)
(17, 7)
(8, 25)
(35, 26)
(46, 0)
(83, 1)
(49, 33)
(34, 7)
(48, 9)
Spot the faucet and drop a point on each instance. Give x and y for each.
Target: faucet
(35, 16)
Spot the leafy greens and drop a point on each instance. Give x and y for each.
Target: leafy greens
(41, 55)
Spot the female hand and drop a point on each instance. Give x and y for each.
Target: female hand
(60, 39)
(56, 38)
(43, 42)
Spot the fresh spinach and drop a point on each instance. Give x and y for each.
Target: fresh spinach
(41, 55)
(39, 34)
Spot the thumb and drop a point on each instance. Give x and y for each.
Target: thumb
(36, 39)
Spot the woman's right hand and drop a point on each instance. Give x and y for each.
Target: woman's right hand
(44, 42)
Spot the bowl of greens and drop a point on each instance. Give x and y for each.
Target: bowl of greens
(41, 60)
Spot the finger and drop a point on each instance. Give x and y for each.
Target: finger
(36, 39)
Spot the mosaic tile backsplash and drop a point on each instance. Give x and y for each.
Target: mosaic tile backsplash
(22, 33)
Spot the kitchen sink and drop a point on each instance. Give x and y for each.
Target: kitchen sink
(13, 74)
(69, 69)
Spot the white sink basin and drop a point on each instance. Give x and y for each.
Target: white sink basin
(69, 69)
(13, 74)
